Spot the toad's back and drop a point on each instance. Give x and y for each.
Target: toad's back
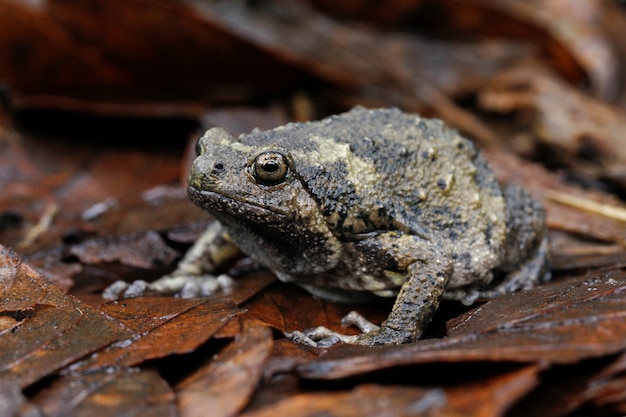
(375, 170)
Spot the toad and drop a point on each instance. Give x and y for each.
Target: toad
(357, 206)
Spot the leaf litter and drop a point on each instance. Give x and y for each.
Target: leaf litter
(555, 350)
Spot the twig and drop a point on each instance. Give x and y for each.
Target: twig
(41, 227)
(590, 206)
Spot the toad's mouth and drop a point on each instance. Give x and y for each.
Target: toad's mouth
(219, 205)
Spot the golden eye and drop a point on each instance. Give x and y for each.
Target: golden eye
(270, 168)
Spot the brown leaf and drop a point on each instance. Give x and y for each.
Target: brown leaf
(160, 327)
(608, 394)
(541, 183)
(584, 132)
(571, 34)
(13, 402)
(494, 395)
(163, 326)
(285, 357)
(385, 68)
(76, 176)
(287, 307)
(392, 11)
(141, 251)
(46, 54)
(486, 396)
(365, 400)
(590, 384)
(49, 329)
(129, 392)
(225, 384)
(562, 322)
(135, 56)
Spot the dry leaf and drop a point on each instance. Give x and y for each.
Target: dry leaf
(588, 134)
(49, 330)
(226, 384)
(129, 392)
(561, 323)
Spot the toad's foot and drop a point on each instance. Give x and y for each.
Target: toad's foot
(183, 286)
(321, 336)
(372, 334)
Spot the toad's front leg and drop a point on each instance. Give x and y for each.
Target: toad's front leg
(415, 305)
(193, 275)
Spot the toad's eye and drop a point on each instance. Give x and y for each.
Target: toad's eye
(270, 168)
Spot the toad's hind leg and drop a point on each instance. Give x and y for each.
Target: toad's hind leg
(526, 257)
(527, 275)
(426, 275)
(413, 310)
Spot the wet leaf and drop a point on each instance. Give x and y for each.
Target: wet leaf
(487, 397)
(364, 400)
(560, 323)
(76, 176)
(492, 396)
(160, 327)
(118, 393)
(48, 329)
(286, 307)
(13, 402)
(90, 199)
(163, 326)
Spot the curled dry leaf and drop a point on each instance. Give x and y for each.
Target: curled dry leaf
(572, 33)
(584, 132)
(579, 28)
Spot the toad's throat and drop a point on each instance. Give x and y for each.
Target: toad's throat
(220, 205)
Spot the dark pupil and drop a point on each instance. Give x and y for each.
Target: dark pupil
(270, 166)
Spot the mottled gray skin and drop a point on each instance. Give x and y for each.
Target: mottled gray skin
(373, 202)
(366, 204)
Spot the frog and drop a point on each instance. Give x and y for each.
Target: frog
(361, 206)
